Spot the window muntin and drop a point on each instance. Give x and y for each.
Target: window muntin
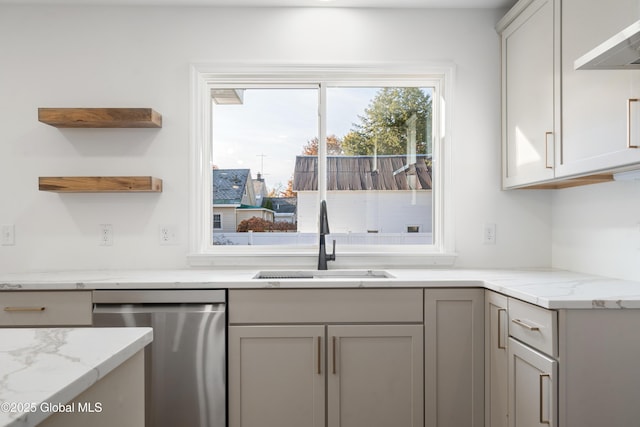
(372, 191)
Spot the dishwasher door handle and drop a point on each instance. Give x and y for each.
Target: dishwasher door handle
(156, 308)
(160, 296)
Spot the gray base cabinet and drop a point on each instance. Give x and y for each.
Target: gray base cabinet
(454, 357)
(533, 384)
(276, 376)
(496, 360)
(564, 368)
(374, 375)
(120, 395)
(315, 358)
(45, 308)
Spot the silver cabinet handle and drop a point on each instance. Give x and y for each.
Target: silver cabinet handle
(501, 345)
(541, 379)
(525, 325)
(19, 309)
(546, 150)
(629, 102)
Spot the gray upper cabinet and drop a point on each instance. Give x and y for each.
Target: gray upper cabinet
(530, 101)
(595, 103)
(563, 127)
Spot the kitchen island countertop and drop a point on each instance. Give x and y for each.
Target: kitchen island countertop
(556, 289)
(44, 368)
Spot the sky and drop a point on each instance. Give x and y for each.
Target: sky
(272, 126)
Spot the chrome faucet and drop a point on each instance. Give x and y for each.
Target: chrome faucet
(323, 256)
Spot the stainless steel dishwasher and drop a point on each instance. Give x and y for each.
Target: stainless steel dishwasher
(185, 365)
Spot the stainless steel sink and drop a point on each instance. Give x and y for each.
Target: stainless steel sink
(323, 274)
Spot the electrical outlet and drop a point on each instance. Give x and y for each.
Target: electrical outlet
(168, 235)
(106, 235)
(489, 237)
(8, 235)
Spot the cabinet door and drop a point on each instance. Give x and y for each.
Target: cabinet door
(375, 376)
(533, 385)
(594, 103)
(454, 357)
(496, 360)
(276, 376)
(530, 101)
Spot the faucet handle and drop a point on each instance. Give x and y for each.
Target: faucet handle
(332, 257)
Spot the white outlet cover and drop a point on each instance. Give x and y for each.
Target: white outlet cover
(167, 235)
(7, 235)
(105, 237)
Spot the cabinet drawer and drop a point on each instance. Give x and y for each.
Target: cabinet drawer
(45, 308)
(325, 305)
(535, 326)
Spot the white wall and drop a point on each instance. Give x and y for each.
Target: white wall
(139, 57)
(596, 229)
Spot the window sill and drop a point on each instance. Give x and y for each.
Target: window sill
(307, 260)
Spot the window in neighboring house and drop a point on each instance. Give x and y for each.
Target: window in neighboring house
(217, 221)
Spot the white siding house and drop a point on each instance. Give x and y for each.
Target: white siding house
(234, 199)
(367, 194)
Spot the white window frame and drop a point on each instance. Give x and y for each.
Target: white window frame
(206, 76)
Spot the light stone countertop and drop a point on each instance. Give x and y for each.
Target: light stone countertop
(44, 366)
(556, 289)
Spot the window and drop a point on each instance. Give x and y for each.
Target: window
(217, 221)
(275, 143)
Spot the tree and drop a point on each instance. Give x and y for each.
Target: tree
(281, 191)
(383, 127)
(334, 146)
(276, 190)
(288, 192)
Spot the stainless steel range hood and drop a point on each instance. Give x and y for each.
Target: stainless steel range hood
(620, 52)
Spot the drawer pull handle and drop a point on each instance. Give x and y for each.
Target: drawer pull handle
(18, 309)
(333, 355)
(546, 150)
(525, 325)
(501, 345)
(319, 355)
(542, 420)
(629, 118)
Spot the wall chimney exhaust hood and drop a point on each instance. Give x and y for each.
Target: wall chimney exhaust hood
(620, 52)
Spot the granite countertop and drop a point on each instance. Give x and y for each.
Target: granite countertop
(556, 289)
(40, 367)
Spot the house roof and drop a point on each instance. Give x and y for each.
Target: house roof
(389, 172)
(229, 185)
(284, 204)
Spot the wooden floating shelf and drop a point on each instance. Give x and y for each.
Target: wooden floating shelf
(100, 117)
(101, 184)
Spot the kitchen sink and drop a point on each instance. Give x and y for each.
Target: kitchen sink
(323, 274)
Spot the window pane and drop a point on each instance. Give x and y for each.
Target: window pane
(257, 134)
(379, 168)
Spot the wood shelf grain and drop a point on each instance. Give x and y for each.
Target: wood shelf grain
(100, 184)
(100, 117)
